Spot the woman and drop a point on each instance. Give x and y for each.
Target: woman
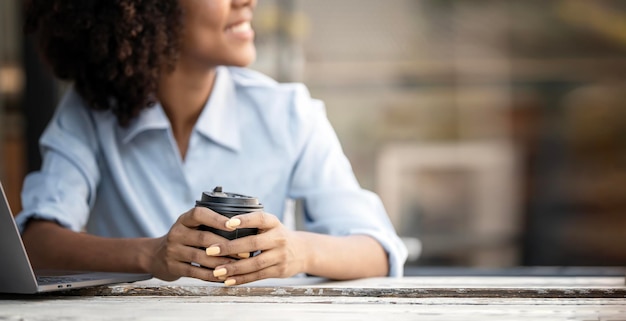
(154, 118)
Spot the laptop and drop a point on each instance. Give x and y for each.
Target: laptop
(18, 275)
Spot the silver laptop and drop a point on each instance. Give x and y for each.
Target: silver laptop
(18, 276)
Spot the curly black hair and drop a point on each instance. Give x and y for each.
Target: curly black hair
(112, 50)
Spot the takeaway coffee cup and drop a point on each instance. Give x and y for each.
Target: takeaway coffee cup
(229, 205)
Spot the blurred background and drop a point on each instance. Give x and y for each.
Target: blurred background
(493, 130)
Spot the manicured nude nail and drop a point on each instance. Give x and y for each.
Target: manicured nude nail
(221, 278)
(244, 255)
(219, 272)
(233, 222)
(230, 282)
(213, 250)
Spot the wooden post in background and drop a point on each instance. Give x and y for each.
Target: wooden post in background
(12, 159)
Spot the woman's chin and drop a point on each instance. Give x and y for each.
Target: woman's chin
(245, 58)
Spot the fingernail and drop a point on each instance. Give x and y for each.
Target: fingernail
(244, 255)
(230, 282)
(221, 278)
(233, 222)
(212, 250)
(219, 272)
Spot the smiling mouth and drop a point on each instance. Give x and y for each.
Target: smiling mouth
(240, 27)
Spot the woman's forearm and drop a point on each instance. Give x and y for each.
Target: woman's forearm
(346, 257)
(51, 246)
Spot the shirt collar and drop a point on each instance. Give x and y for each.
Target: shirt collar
(219, 118)
(217, 121)
(149, 119)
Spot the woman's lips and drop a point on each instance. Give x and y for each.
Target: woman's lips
(243, 26)
(242, 30)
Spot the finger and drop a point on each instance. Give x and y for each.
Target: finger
(199, 238)
(241, 267)
(188, 254)
(198, 216)
(189, 270)
(260, 220)
(270, 272)
(251, 243)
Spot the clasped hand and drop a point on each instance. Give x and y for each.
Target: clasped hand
(282, 251)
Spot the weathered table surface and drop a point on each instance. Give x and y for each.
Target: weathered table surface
(409, 298)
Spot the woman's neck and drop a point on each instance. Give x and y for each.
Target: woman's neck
(183, 94)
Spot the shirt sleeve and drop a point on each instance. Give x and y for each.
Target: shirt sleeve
(334, 203)
(64, 189)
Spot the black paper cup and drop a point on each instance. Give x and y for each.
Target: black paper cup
(229, 205)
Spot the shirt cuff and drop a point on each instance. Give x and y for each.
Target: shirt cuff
(22, 219)
(395, 248)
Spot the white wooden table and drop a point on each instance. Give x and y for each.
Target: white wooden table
(409, 298)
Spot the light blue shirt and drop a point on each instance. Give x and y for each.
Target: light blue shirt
(254, 137)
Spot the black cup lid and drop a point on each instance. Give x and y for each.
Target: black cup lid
(218, 196)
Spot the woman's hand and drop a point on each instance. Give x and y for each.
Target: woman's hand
(283, 253)
(170, 256)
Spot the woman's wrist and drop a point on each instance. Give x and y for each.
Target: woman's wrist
(146, 249)
(308, 252)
